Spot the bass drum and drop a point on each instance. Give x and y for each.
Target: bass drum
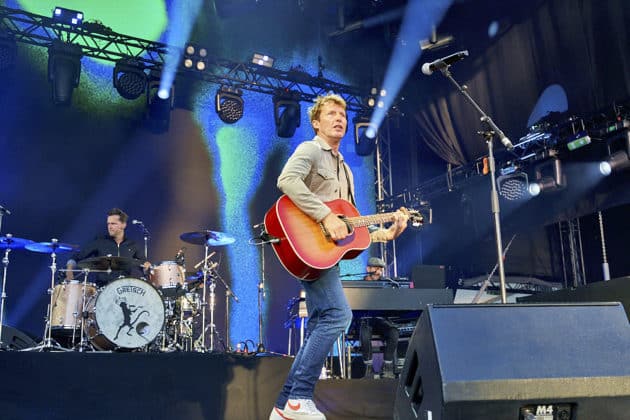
(128, 314)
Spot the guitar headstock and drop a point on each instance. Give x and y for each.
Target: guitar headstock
(415, 217)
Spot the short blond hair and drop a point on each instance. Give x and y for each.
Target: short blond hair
(314, 111)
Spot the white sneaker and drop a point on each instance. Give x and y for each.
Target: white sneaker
(277, 414)
(302, 409)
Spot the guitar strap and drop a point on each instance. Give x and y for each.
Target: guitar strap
(350, 192)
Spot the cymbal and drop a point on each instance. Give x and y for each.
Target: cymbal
(210, 237)
(50, 247)
(109, 262)
(12, 242)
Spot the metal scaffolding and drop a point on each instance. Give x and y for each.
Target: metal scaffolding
(571, 253)
(98, 41)
(384, 188)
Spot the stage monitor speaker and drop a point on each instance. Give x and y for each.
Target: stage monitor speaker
(14, 339)
(517, 362)
(428, 276)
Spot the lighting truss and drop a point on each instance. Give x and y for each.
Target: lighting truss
(98, 41)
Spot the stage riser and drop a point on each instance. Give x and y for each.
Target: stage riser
(190, 386)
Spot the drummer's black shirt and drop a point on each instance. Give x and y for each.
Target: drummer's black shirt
(106, 245)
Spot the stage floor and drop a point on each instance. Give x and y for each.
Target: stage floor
(188, 386)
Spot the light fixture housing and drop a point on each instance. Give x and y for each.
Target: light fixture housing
(287, 113)
(64, 70)
(67, 16)
(158, 111)
(229, 104)
(130, 80)
(365, 136)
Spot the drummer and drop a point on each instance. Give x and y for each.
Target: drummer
(116, 244)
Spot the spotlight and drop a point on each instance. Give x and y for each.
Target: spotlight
(195, 57)
(64, 70)
(364, 136)
(287, 113)
(229, 104)
(618, 159)
(67, 16)
(8, 52)
(129, 79)
(549, 177)
(514, 186)
(158, 114)
(262, 60)
(545, 184)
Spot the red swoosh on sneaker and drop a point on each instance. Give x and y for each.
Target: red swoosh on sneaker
(280, 413)
(295, 407)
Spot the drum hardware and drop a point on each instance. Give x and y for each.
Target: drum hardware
(145, 235)
(7, 243)
(52, 248)
(207, 238)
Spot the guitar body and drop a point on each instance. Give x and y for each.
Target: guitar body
(304, 250)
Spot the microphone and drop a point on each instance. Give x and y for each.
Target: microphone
(442, 63)
(258, 225)
(4, 210)
(136, 222)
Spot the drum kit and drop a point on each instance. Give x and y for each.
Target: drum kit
(164, 312)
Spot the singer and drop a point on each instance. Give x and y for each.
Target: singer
(115, 243)
(315, 173)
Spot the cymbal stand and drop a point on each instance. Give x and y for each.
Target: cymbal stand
(5, 263)
(200, 344)
(228, 293)
(47, 344)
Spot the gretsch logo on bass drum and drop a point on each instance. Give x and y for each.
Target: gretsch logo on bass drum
(131, 289)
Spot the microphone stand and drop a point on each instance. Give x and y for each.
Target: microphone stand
(494, 197)
(263, 239)
(228, 293)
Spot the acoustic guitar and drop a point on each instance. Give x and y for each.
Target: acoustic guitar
(304, 247)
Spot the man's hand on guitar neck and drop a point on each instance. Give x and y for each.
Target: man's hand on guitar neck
(336, 228)
(399, 224)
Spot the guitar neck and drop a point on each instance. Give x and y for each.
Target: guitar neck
(373, 219)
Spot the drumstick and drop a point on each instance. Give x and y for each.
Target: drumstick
(204, 260)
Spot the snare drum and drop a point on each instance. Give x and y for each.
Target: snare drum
(67, 306)
(128, 314)
(168, 277)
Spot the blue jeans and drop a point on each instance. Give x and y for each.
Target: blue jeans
(329, 316)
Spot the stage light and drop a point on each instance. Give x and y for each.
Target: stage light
(195, 57)
(616, 162)
(287, 113)
(545, 184)
(262, 60)
(158, 113)
(514, 186)
(130, 80)
(229, 104)
(364, 136)
(8, 52)
(619, 149)
(549, 177)
(578, 140)
(67, 16)
(64, 70)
